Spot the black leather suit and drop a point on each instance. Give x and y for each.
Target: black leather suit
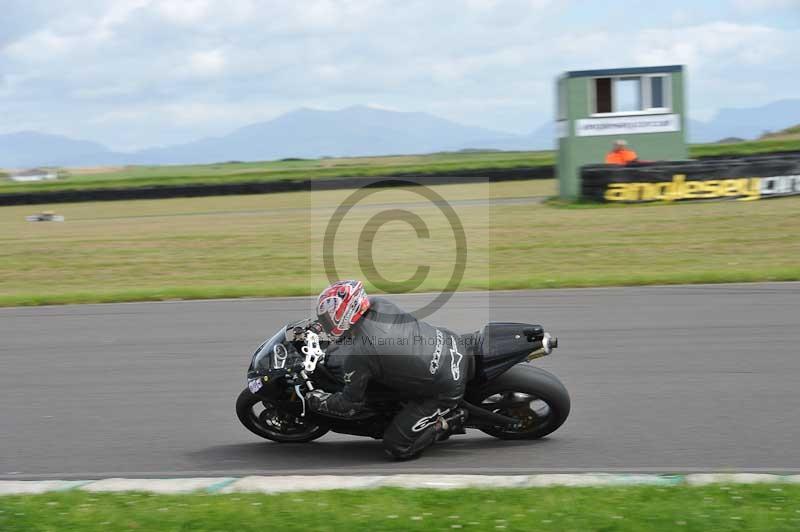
(390, 346)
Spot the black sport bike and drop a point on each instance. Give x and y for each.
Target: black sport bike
(507, 398)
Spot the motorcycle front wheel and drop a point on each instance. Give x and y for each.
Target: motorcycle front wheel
(534, 396)
(265, 419)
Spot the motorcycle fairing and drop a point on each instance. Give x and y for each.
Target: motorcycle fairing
(502, 345)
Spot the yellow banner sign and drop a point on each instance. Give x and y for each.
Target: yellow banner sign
(742, 188)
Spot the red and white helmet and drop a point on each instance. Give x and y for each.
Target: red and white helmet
(341, 305)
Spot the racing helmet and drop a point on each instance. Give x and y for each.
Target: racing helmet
(341, 305)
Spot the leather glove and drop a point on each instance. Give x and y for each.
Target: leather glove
(334, 405)
(318, 400)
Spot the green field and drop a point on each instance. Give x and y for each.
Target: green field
(270, 245)
(717, 508)
(233, 172)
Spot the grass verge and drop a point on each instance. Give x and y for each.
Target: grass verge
(713, 508)
(267, 171)
(436, 163)
(270, 245)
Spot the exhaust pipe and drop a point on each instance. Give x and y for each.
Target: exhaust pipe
(549, 343)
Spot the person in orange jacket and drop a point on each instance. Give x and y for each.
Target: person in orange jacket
(621, 154)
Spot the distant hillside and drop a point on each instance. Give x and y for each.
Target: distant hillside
(790, 133)
(29, 148)
(748, 123)
(541, 138)
(308, 133)
(354, 131)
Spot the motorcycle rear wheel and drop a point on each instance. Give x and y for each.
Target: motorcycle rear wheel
(528, 393)
(272, 424)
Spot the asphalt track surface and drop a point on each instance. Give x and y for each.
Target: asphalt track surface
(663, 379)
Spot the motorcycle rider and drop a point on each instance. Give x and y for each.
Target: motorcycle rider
(378, 341)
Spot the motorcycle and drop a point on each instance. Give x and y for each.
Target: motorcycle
(507, 398)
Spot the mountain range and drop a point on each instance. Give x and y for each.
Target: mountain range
(357, 130)
(748, 123)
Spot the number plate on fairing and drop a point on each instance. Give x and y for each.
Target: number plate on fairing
(254, 385)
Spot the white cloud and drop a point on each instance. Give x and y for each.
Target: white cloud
(104, 91)
(186, 12)
(177, 68)
(121, 116)
(708, 44)
(765, 5)
(207, 63)
(75, 32)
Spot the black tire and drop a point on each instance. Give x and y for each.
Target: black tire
(254, 423)
(541, 385)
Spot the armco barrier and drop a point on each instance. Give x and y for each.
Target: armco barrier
(742, 178)
(268, 187)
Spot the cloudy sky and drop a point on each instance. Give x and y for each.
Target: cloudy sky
(137, 73)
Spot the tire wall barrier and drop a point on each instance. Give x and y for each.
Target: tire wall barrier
(777, 175)
(269, 187)
(741, 178)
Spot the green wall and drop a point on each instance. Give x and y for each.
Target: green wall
(574, 152)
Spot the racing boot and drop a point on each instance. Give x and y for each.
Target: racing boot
(452, 423)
